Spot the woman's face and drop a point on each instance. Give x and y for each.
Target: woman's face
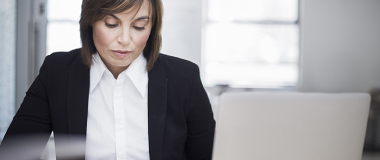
(120, 38)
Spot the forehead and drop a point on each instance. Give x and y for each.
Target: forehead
(135, 12)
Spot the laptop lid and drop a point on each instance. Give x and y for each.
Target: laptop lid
(291, 126)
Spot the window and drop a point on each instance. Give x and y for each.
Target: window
(251, 43)
(8, 47)
(63, 25)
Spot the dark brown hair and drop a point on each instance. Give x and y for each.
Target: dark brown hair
(95, 10)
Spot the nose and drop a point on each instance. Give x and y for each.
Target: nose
(124, 37)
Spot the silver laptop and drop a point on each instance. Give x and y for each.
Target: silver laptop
(291, 126)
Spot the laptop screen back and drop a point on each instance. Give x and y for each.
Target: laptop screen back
(291, 126)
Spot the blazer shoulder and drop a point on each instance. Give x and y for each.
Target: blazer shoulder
(61, 61)
(178, 71)
(175, 64)
(60, 58)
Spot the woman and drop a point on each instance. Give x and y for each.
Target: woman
(129, 101)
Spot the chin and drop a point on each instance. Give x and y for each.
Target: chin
(122, 64)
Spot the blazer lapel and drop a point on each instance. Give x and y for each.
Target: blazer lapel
(77, 98)
(157, 96)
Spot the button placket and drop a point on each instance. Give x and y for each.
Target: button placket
(119, 117)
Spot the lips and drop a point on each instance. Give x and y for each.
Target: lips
(121, 53)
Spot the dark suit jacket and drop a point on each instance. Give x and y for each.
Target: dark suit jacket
(180, 119)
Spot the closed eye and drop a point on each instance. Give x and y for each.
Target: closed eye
(111, 25)
(139, 28)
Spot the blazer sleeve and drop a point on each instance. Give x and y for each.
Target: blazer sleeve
(31, 126)
(200, 122)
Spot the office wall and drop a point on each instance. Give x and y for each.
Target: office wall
(7, 63)
(182, 29)
(340, 45)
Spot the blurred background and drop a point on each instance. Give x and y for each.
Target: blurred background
(246, 45)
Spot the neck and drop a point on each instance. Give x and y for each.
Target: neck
(116, 70)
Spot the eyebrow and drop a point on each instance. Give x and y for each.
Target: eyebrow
(114, 16)
(140, 18)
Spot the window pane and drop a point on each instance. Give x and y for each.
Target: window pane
(64, 10)
(62, 36)
(251, 55)
(253, 10)
(63, 25)
(8, 64)
(250, 75)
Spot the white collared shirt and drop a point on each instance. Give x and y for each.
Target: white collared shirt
(117, 122)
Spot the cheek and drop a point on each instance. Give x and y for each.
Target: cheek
(101, 37)
(142, 39)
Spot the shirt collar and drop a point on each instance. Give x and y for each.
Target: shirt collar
(138, 75)
(136, 72)
(96, 71)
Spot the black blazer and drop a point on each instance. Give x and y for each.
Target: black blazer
(180, 118)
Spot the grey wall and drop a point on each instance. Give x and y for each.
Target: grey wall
(340, 45)
(31, 44)
(7, 63)
(182, 29)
